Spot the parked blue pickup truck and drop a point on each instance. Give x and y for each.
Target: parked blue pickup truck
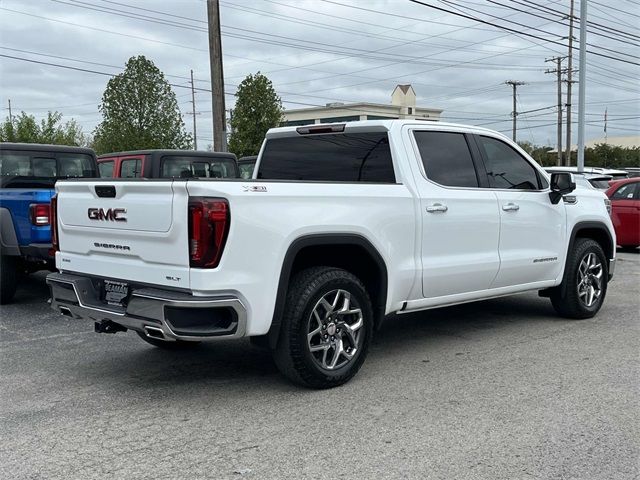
(28, 173)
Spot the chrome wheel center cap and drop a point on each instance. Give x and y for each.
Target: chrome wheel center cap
(331, 328)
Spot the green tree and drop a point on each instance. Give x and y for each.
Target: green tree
(539, 153)
(601, 155)
(140, 111)
(25, 129)
(258, 108)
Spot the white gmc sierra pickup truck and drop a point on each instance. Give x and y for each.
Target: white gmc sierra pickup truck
(341, 225)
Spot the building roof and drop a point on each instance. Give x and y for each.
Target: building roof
(357, 107)
(627, 141)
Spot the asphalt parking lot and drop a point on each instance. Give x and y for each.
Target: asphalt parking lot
(500, 389)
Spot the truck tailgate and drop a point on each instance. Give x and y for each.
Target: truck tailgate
(121, 229)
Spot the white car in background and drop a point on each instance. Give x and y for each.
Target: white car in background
(589, 180)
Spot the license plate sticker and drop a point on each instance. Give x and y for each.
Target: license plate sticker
(115, 292)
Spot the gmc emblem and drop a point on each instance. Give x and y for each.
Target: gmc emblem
(111, 214)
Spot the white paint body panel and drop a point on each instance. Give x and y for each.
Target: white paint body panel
(533, 238)
(473, 251)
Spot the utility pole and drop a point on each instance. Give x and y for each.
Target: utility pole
(569, 85)
(515, 84)
(217, 77)
(582, 83)
(10, 115)
(558, 71)
(193, 112)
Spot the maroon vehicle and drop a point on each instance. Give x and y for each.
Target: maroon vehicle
(625, 211)
(168, 164)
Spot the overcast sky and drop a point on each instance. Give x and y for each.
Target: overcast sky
(319, 51)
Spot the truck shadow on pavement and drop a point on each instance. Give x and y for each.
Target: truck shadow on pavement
(460, 320)
(32, 288)
(228, 364)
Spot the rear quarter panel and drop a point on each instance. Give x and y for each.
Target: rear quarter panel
(18, 201)
(265, 223)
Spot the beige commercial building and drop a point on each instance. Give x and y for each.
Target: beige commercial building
(403, 105)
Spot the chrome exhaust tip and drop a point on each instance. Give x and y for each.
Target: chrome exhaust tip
(154, 332)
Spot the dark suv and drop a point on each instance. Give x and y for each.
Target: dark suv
(168, 164)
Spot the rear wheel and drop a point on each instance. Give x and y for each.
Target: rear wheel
(8, 278)
(168, 344)
(584, 284)
(326, 328)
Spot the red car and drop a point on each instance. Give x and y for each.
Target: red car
(625, 211)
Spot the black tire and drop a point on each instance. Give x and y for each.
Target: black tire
(293, 352)
(168, 344)
(565, 298)
(8, 278)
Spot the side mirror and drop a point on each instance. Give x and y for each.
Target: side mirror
(561, 184)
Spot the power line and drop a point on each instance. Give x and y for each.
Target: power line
(305, 104)
(469, 17)
(609, 7)
(591, 23)
(619, 39)
(305, 44)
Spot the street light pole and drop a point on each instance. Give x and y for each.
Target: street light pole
(582, 83)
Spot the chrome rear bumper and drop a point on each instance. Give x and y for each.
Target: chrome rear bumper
(158, 313)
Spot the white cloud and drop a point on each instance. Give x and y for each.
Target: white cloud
(453, 63)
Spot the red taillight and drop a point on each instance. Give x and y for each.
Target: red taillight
(209, 220)
(53, 220)
(39, 214)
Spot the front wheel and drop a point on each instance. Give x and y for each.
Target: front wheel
(584, 284)
(326, 328)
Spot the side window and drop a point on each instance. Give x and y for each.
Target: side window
(506, 168)
(625, 192)
(446, 158)
(130, 168)
(106, 169)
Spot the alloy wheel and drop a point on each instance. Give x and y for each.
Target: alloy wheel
(334, 330)
(590, 274)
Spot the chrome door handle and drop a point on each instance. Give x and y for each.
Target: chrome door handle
(510, 207)
(437, 207)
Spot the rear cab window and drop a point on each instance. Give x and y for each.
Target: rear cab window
(337, 157)
(185, 166)
(43, 167)
(600, 183)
